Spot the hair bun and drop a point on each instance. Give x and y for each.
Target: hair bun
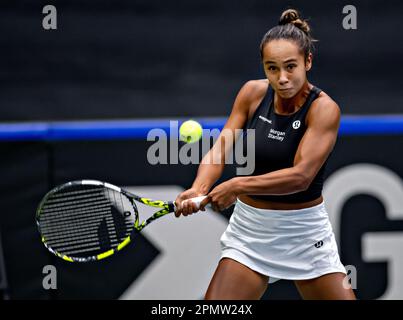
(292, 16)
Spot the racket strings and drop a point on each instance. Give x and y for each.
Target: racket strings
(110, 237)
(60, 235)
(82, 233)
(82, 224)
(72, 205)
(86, 221)
(91, 241)
(82, 195)
(83, 228)
(76, 192)
(59, 219)
(76, 220)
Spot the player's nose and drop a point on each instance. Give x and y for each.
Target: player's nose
(283, 79)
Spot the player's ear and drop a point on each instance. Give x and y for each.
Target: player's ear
(308, 62)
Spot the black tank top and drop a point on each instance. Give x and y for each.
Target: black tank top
(276, 141)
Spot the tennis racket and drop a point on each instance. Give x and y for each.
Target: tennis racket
(90, 220)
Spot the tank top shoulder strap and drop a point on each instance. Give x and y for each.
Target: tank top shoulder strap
(261, 109)
(313, 94)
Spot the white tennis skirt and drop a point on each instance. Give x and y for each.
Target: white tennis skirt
(282, 244)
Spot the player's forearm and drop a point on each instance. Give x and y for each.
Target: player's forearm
(213, 163)
(279, 182)
(208, 173)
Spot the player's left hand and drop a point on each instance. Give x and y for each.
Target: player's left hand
(222, 196)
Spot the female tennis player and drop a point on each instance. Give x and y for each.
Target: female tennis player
(279, 228)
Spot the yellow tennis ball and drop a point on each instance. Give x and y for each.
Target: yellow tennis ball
(190, 131)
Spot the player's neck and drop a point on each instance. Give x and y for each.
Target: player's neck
(289, 106)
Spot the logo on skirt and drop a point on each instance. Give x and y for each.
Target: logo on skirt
(319, 244)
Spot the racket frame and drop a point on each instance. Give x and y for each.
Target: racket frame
(166, 208)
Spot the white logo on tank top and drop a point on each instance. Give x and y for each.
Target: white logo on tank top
(276, 135)
(265, 119)
(296, 124)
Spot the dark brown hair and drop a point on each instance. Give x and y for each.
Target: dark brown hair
(291, 27)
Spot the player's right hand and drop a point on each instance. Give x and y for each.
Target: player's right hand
(185, 207)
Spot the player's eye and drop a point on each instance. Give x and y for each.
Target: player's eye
(291, 66)
(271, 68)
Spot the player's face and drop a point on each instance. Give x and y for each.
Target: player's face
(285, 67)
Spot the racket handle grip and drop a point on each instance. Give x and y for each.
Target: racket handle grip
(197, 200)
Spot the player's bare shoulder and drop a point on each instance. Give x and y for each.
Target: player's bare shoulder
(255, 89)
(324, 109)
